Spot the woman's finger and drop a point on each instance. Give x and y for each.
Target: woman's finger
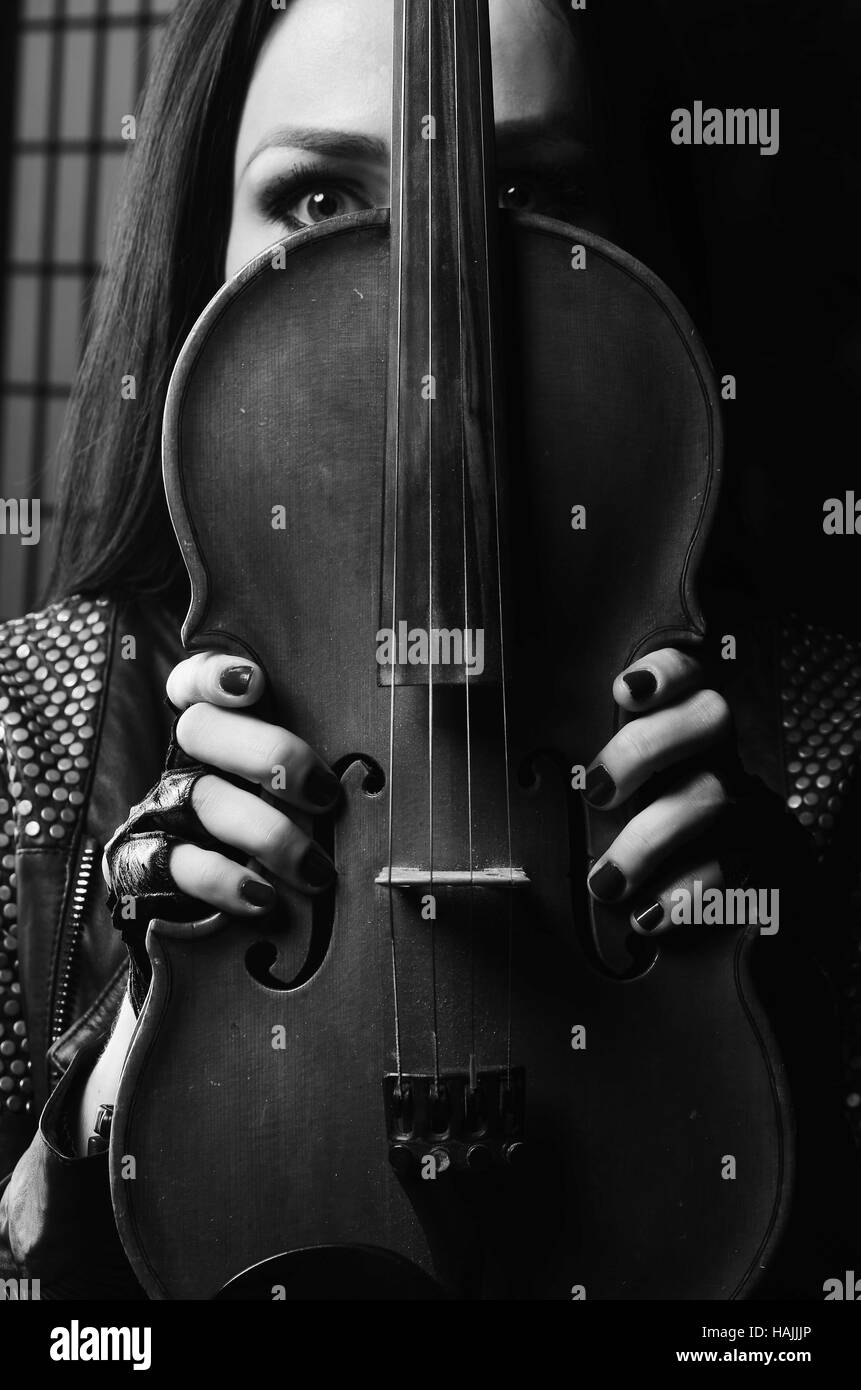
(217, 679)
(656, 741)
(659, 912)
(244, 821)
(656, 680)
(653, 835)
(216, 880)
(259, 752)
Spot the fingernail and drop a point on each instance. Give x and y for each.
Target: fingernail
(641, 684)
(608, 882)
(316, 869)
(600, 787)
(650, 918)
(321, 787)
(251, 890)
(236, 680)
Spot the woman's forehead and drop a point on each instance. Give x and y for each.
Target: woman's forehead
(328, 63)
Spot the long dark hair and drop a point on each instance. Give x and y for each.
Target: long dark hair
(164, 263)
(166, 253)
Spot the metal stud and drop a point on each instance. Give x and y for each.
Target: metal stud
(821, 698)
(52, 664)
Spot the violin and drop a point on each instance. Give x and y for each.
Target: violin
(472, 455)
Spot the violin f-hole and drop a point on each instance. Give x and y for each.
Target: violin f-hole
(602, 932)
(262, 955)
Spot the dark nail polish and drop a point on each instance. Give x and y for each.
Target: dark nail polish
(315, 868)
(608, 883)
(641, 684)
(257, 893)
(651, 918)
(321, 787)
(236, 680)
(600, 787)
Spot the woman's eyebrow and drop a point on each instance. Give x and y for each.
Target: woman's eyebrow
(533, 141)
(524, 141)
(337, 144)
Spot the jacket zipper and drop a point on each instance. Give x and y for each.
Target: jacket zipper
(72, 936)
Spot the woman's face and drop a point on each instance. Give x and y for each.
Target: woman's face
(314, 140)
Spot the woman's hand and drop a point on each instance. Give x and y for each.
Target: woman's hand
(676, 721)
(213, 691)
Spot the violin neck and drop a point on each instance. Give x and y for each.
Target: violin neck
(440, 559)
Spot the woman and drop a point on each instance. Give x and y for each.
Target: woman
(259, 120)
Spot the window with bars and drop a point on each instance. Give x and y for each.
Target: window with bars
(74, 70)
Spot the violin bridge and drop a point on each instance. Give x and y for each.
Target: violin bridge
(400, 876)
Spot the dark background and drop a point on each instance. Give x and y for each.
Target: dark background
(774, 248)
(781, 311)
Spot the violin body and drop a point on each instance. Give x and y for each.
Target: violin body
(546, 1108)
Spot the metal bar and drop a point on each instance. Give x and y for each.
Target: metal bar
(94, 165)
(9, 21)
(46, 290)
(51, 390)
(62, 146)
(66, 22)
(55, 268)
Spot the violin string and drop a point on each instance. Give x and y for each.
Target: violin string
(431, 392)
(397, 453)
(489, 211)
(463, 478)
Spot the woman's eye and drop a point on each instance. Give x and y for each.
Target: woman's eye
(554, 196)
(309, 205)
(518, 196)
(324, 203)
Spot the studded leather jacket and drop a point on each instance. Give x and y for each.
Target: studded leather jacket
(84, 729)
